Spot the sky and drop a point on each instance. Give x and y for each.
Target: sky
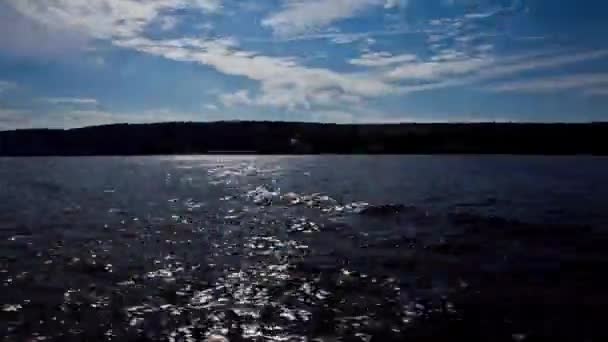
(74, 63)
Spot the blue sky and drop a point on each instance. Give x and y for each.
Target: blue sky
(73, 63)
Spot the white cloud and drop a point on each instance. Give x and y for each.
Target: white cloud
(480, 15)
(365, 116)
(485, 48)
(371, 116)
(75, 118)
(23, 37)
(447, 55)
(289, 99)
(204, 26)
(340, 37)
(346, 38)
(168, 23)
(524, 63)
(434, 38)
(238, 98)
(70, 101)
(513, 8)
(98, 61)
(438, 70)
(360, 116)
(380, 59)
(104, 19)
(355, 115)
(287, 84)
(207, 5)
(470, 71)
(299, 16)
(530, 38)
(12, 119)
(82, 118)
(396, 4)
(283, 82)
(552, 84)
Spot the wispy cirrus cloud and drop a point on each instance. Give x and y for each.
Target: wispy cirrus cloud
(300, 16)
(476, 71)
(284, 83)
(59, 28)
(78, 101)
(515, 7)
(524, 63)
(337, 37)
(430, 71)
(382, 59)
(553, 84)
(396, 3)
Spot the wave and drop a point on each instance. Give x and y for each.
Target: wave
(474, 222)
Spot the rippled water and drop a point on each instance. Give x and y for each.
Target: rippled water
(428, 248)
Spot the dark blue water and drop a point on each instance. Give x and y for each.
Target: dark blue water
(431, 248)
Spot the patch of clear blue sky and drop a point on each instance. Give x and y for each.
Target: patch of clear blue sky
(127, 81)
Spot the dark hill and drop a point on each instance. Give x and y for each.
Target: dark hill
(300, 138)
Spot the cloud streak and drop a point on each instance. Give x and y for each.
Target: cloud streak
(284, 83)
(300, 16)
(336, 37)
(476, 71)
(104, 19)
(70, 101)
(382, 59)
(553, 84)
(433, 71)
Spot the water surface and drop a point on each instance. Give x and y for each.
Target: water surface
(333, 248)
